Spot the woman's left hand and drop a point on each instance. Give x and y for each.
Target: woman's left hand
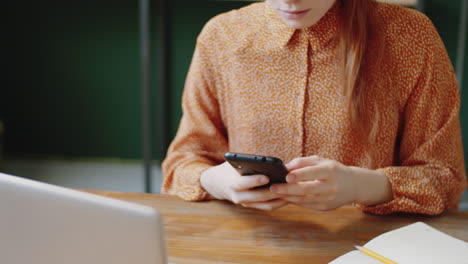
(318, 183)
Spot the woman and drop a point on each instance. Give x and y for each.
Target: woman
(359, 98)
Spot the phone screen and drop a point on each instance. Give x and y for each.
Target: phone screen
(247, 164)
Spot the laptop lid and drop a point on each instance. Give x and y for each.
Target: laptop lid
(47, 224)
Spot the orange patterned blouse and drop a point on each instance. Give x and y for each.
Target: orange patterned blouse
(257, 86)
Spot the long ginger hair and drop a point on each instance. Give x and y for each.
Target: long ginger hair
(358, 23)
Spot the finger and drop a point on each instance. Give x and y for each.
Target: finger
(307, 199)
(301, 188)
(299, 199)
(268, 205)
(242, 183)
(250, 196)
(318, 172)
(304, 162)
(318, 202)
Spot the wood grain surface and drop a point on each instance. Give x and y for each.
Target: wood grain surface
(220, 232)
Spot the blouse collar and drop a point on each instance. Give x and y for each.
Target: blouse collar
(318, 34)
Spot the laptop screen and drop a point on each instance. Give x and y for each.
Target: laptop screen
(47, 224)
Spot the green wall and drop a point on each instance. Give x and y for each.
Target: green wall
(72, 87)
(72, 81)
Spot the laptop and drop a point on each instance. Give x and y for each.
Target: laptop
(46, 224)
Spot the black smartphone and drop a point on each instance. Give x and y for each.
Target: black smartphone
(247, 164)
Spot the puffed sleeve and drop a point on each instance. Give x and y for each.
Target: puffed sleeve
(430, 174)
(201, 139)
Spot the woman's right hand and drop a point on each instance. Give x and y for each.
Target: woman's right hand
(223, 182)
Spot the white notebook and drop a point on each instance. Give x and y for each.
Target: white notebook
(415, 243)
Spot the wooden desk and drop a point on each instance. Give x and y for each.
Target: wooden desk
(219, 232)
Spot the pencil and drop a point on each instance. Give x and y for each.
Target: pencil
(374, 255)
